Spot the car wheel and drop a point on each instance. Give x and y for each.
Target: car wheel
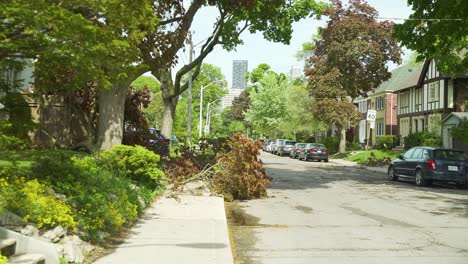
(461, 185)
(391, 174)
(420, 181)
(326, 160)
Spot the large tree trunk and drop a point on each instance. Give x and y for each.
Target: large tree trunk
(111, 117)
(168, 117)
(169, 100)
(342, 141)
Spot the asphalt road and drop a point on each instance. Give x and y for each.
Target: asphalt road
(326, 213)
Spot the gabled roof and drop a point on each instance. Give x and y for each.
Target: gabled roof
(459, 115)
(403, 77)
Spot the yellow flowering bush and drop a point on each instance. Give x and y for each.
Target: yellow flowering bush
(30, 200)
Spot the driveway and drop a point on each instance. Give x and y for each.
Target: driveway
(328, 213)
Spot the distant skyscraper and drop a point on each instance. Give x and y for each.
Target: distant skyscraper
(296, 72)
(239, 69)
(228, 98)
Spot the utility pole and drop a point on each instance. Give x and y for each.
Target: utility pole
(189, 104)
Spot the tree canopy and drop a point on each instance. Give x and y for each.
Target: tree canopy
(438, 30)
(273, 18)
(268, 103)
(349, 59)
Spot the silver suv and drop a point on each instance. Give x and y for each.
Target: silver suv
(274, 146)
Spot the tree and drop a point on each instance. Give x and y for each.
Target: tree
(82, 44)
(160, 48)
(268, 104)
(437, 30)
(349, 60)
(240, 105)
(300, 118)
(209, 75)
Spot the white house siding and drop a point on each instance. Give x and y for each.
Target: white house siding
(362, 131)
(447, 141)
(404, 126)
(450, 94)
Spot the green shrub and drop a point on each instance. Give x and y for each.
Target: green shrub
(14, 132)
(422, 139)
(386, 142)
(3, 259)
(103, 200)
(332, 144)
(136, 162)
(30, 200)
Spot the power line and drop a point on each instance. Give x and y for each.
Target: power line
(421, 19)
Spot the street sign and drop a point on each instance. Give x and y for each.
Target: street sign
(371, 114)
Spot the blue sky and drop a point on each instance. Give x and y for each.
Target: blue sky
(279, 56)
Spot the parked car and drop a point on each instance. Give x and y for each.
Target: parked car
(267, 145)
(275, 145)
(425, 165)
(158, 142)
(285, 148)
(294, 153)
(314, 151)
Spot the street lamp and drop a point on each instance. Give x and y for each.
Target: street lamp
(201, 108)
(208, 116)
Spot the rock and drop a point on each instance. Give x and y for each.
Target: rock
(59, 231)
(60, 196)
(87, 248)
(72, 249)
(30, 230)
(50, 236)
(10, 219)
(60, 250)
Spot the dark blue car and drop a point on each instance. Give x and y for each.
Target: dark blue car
(425, 165)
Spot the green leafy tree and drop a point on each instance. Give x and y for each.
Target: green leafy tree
(160, 48)
(81, 44)
(438, 30)
(268, 104)
(301, 119)
(349, 60)
(214, 82)
(240, 105)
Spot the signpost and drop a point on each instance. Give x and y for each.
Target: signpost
(371, 115)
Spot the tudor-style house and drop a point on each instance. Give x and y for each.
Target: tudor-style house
(384, 101)
(422, 107)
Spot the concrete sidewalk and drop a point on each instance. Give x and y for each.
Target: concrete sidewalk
(191, 229)
(347, 163)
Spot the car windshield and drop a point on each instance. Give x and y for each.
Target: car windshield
(290, 142)
(446, 154)
(319, 146)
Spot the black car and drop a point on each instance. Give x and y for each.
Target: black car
(425, 165)
(158, 142)
(314, 151)
(296, 149)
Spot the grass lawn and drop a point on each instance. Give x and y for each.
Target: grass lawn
(362, 156)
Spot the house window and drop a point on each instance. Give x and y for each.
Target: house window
(404, 99)
(418, 99)
(379, 128)
(363, 107)
(380, 102)
(434, 91)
